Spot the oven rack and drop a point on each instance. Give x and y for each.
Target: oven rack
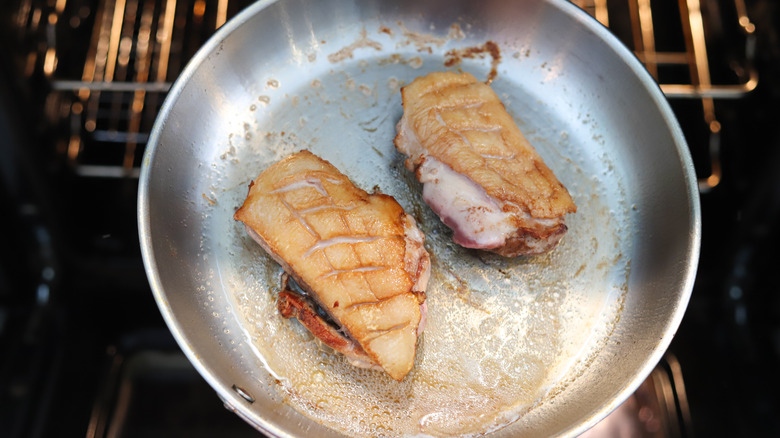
(103, 109)
(649, 46)
(104, 98)
(643, 40)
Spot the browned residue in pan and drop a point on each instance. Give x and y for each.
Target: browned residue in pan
(424, 41)
(208, 199)
(347, 52)
(455, 56)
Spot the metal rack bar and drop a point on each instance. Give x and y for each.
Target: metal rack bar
(84, 86)
(696, 46)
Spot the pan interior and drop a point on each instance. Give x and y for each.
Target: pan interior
(506, 339)
(501, 333)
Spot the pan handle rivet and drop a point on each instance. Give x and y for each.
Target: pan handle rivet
(244, 394)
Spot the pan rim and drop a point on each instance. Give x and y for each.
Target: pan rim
(692, 193)
(629, 58)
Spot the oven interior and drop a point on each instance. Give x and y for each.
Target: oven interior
(83, 349)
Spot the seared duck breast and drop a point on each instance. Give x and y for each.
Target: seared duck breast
(479, 173)
(358, 258)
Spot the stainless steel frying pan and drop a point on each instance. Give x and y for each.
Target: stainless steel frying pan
(516, 347)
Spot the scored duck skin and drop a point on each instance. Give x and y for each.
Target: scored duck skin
(359, 256)
(479, 173)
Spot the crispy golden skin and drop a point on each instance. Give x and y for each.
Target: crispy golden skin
(461, 122)
(348, 249)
